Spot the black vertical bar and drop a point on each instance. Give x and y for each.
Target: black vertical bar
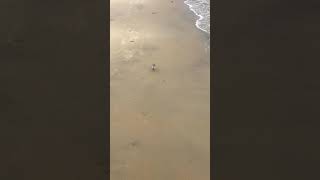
(54, 91)
(266, 91)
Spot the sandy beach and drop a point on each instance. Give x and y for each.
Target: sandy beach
(160, 121)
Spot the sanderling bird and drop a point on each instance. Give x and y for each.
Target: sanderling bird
(153, 67)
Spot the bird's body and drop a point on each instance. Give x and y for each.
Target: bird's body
(153, 67)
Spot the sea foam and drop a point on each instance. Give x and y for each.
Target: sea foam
(202, 9)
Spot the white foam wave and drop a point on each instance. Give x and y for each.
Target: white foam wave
(202, 9)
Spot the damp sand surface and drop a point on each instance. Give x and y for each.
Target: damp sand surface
(160, 120)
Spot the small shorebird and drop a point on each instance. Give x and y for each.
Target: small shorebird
(153, 67)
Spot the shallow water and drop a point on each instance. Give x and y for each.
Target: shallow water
(202, 9)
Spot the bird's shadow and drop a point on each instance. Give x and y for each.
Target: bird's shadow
(155, 70)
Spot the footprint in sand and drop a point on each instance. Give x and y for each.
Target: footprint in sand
(145, 117)
(135, 143)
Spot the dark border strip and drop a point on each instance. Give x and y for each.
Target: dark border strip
(54, 92)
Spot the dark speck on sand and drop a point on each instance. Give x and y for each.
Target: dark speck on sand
(134, 143)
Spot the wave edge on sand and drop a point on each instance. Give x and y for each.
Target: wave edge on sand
(202, 9)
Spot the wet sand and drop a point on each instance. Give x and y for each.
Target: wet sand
(160, 121)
